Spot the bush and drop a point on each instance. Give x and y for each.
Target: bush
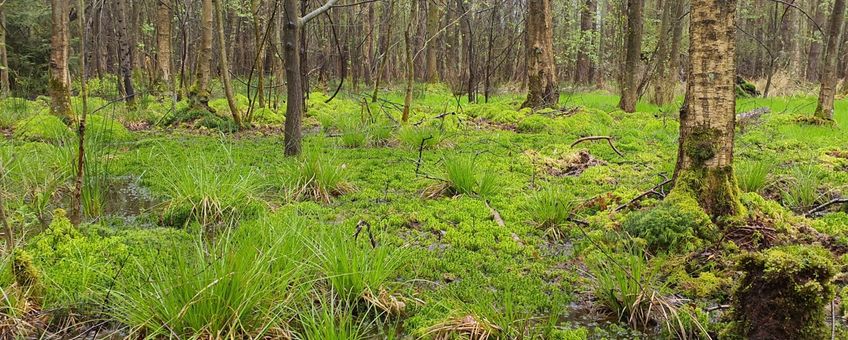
(43, 128)
(676, 224)
(784, 293)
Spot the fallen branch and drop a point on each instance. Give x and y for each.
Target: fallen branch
(367, 226)
(646, 193)
(753, 114)
(826, 205)
(594, 138)
(495, 215)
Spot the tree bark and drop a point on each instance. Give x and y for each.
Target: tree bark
(59, 86)
(4, 60)
(824, 110)
(126, 50)
(259, 63)
(163, 45)
(666, 80)
(585, 69)
(814, 56)
(543, 88)
(434, 14)
(705, 159)
(630, 83)
(199, 94)
(410, 62)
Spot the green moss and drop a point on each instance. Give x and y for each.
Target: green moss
(27, 276)
(569, 334)
(43, 128)
(677, 224)
(715, 189)
(784, 293)
(705, 285)
(700, 146)
(105, 129)
(534, 124)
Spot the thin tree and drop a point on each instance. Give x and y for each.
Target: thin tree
(543, 88)
(824, 110)
(630, 82)
(199, 93)
(163, 46)
(59, 86)
(225, 65)
(705, 153)
(410, 60)
(125, 28)
(294, 101)
(4, 59)
(585, 66)
(668, 53)
(77, 211)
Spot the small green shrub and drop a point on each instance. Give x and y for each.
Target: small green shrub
(43, 128)
(784, 293)
(677, 224)
(753, 176)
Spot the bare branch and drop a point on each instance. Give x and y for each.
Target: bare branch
(306, 18)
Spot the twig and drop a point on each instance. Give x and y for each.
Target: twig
(367, 226)
(495, 215)
(645, 194)
(593, 138)
(710, 309)
(826, 205)
(420, 155)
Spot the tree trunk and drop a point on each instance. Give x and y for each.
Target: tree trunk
(630, 83)
(705, 155)
(385, 45)
(585, 67)
(543, 88)
(259, 63)
(410, 63)
(434, 14)
(126, 50)
(665, 79)
(814, 56)
(294, 97)
(468, 35)
(824, 110)
(163, 45)
(4, 60)
(199, 94)
(225, 65)
(59, 87)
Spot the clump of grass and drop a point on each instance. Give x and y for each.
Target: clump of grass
(353, 137)
(753, 176)
(464, 327)
(463, 178)
(319, 177)
(230, 289)
(331, 320)
(415, 137)
(630, 289)
(551, 206)
(802, 188)
(355, 269)
(208, 191)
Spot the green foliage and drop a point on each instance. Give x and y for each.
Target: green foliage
(753, 176)
(13, 110)
(43, 128)
(415, 137)
(784, 293)
(233, 292)
(104, 129)
(331, 321)
(678, 224)
(551, 206)
(534, 124)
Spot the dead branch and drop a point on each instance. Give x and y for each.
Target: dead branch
(367, 226)
(594, 138)
(495, 215)
(826, 205)
(646, 194)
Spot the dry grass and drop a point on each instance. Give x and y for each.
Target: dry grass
(466, 327)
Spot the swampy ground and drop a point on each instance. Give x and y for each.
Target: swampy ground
(485, 222)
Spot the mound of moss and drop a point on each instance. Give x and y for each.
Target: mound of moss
(105, 129)
(534, 124)
(784, 293)
(42, 128)
(677, 224)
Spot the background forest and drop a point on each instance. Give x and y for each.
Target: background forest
(424, 169)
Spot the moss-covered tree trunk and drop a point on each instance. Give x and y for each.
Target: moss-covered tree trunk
(59, 86)
(199, 93)
(543, 88)
(828, 76)
(629, 81)
(705, 159)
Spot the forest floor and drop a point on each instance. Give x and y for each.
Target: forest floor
(485, 222)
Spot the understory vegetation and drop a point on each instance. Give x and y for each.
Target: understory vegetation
(484, 223)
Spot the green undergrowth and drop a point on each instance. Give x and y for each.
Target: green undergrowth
(348, 241)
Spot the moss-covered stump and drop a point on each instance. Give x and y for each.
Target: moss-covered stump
(784, 293)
